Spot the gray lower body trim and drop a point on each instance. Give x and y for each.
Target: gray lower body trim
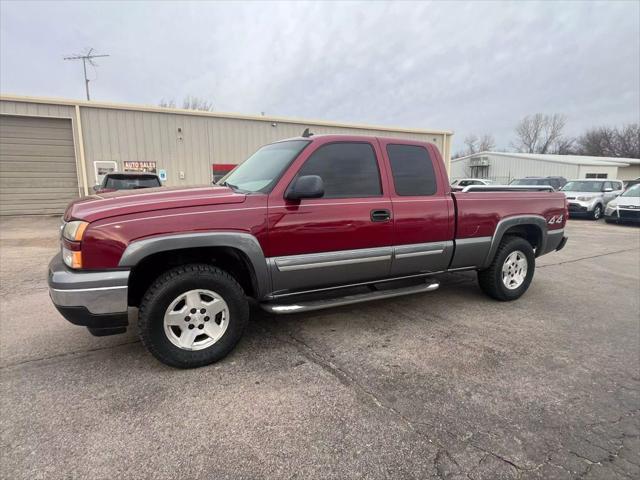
(554, 237)
(332, 259)
(300, 272)
(419, 249)
(99, 292)
(470, 252)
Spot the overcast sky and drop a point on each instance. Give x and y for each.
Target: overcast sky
(469, 67)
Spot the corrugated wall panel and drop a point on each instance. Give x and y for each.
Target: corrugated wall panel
(123, 135)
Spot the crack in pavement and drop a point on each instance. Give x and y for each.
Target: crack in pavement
(587, 258)
(442, 452)
(348, 380)
(66, 354)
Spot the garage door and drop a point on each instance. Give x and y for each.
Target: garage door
(37, 165)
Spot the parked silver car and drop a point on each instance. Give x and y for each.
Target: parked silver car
(625, 208)
(589, 197)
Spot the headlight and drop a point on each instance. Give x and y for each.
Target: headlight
(73, 231)
(585, 198)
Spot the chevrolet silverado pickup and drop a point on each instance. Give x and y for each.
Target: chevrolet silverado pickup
(303, 224)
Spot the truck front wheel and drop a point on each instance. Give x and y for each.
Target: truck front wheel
(192, 315)
(511, 271)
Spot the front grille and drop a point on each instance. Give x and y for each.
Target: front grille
(629, 214)
(574, 207)
(571, 198)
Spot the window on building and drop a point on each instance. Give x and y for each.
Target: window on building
(347, 169)
(595, 175)
(412, 170)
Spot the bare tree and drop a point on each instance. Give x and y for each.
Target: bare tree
(167, 103)
(539, 133)
(487, 143)
(189, 103)
(197, 103)
(471, 141)
(611, 142)
(629, 141)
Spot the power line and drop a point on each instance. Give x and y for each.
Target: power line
(88, 57)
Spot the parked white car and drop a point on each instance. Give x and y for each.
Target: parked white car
(465, 182)
(589, 197)
(625, 208)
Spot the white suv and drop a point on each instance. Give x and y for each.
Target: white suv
(589, 197)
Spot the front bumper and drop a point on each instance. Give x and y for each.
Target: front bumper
(96, 300)
(622, 215)
(577, 207)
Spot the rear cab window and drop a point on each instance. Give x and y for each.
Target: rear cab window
(412, 170)
(347, 169)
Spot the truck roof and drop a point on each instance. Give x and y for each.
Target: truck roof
(350, 136)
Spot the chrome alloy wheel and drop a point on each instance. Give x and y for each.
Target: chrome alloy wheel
(514, 270)
(196, 319)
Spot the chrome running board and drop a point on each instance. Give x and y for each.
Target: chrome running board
(308, 306)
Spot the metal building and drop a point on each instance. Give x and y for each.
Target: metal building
(503, 167)
(53, 150)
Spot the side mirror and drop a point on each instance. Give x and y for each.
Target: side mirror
(608, 190)
(307, 186)
(96, 188)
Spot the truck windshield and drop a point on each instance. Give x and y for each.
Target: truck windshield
(583, 187)
(262, 170)
(124, 182)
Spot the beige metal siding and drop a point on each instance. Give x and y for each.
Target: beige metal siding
(37, 165)
(191, 143)
(181, 140)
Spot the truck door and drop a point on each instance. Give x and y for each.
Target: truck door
(422, 208)
(345, 236)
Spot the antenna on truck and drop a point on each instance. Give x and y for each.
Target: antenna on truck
(306, 133)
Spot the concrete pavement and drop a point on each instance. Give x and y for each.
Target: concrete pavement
(447, 385)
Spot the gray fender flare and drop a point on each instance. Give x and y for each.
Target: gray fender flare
(506, 223)
(244, 242)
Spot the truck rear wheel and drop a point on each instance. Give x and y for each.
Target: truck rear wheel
(511, 271)
(192, 315)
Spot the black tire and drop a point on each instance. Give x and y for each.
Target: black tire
(490, 280)
(597, 213)
(168, 287)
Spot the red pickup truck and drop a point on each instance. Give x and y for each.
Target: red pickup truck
(303, 224)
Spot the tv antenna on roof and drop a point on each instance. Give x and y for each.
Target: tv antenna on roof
(87, 57)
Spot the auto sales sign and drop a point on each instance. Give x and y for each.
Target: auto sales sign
(140, 167)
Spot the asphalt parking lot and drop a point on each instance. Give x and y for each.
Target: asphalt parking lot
(445, 385)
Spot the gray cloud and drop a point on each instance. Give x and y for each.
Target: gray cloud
(471, 67)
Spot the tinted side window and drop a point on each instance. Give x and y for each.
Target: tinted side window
(607, 185)
(347, 170)
(412, 170)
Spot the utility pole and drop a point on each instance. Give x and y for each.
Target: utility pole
(88, 57)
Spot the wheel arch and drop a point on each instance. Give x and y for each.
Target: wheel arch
(532, 228)
(239, 254)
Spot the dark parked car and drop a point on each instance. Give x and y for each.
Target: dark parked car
(556, 182)
(127, 181)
